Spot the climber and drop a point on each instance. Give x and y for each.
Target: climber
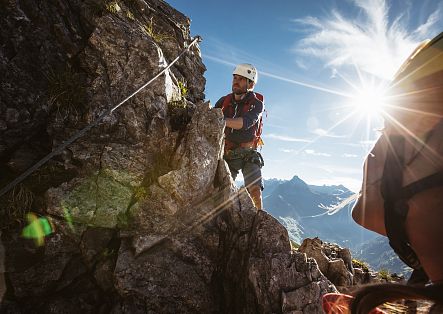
(243, 110)
(402, 192)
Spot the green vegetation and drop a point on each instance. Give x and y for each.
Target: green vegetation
(294, 245)
(66, 92)
(130, 15)
(177, 104)
(178, 108)
(180, 101)
(360, 264)
(157, 37)
(19, 201)
(140, 192)
(384, 274)
(183, 88)
(113, 7)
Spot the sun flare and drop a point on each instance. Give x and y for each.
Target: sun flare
(369, 100)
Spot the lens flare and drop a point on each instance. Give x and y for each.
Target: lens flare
(369, 100)
(37, 229)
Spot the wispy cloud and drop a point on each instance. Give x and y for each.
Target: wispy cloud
(217, 53)
(288, 150)
(361, 144)
(431, 24)
(286, 138)
(368, 142)
(314, 153)
(346, 155)
(219, 60)
(374, 42)
(326, 133)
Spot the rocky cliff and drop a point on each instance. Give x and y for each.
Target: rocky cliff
(139, 215)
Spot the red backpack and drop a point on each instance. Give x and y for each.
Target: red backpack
(227, 105)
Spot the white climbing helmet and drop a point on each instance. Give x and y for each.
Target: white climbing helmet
(246, 70)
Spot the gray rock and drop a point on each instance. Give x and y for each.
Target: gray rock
(3, 125)
(12, 116)
(2, 270)
(313, 248)
(339, 274)
(146, 216)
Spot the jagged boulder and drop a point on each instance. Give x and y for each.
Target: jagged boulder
(144, 216)
(335, 262)
(337, 265)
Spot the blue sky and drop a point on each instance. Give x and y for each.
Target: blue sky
(323, 68)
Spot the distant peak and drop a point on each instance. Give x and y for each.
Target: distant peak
(297, 181)
(296, 178)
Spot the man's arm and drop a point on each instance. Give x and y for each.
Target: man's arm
(234, 123)
(251, 117)
(248, 120)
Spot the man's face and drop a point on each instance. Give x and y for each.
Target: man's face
(239, 84)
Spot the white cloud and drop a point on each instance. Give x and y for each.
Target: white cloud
(430, 26)
(374, 41)
(346, 155)
(314, 153)
(288, 150)
(368, 142)
(286, 138)
(325, 133)
(301, 64)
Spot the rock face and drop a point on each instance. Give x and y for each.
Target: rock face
(333, 261)
(337, 265)
(143, 214)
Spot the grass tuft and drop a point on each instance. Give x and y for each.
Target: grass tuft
(384, 274)
(113, 7)
(66, 92)
(149, 29)
(360, 264)
(19, 201)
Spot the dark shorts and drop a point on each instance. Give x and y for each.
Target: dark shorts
(249, 162)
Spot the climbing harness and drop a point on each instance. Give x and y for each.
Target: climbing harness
(245, 154)
(82, 132)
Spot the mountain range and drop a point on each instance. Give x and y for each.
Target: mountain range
(309, 211)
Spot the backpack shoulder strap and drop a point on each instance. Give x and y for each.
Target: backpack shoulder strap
(429, 182)
(258, 141)
(259, 97)
(227, 101)
(395, 205)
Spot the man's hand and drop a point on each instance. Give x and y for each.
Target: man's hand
(234, 123)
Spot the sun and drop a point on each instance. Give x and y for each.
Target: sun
(369, 100)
